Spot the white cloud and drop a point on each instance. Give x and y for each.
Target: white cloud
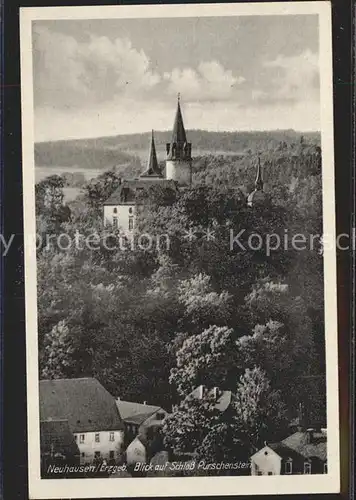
(68, 72)
(296, 77)
(211, 81)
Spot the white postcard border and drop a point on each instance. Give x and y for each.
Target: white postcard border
(190, 486)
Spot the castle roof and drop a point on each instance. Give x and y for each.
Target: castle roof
(84, 402)
(126, 193)
(153, 169)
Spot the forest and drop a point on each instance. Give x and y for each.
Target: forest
(153, 324)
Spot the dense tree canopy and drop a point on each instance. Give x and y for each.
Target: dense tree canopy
(197, 306)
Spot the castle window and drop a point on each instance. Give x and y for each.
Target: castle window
(131, 223)
(288, 467)
(115, 222)
(307, 468)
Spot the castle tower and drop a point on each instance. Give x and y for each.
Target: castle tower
(179, 159)
(152, 171)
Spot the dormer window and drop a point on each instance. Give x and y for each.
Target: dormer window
(288, 467)
(307, 468)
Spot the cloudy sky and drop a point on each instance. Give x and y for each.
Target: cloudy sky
(105, 77)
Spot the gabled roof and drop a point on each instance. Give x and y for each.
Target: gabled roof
(178, 134)
(125, 194)
(300, 444)
(56, 437)
(153, 169)
(135, 413)
(84, 402)
(223, 399)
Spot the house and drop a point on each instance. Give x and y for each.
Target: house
(137, 417)
(120, 209)
(222, 399)
(91, 413)
(58, 445)
(300, 453)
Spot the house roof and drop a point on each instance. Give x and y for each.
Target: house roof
(135, 413)
(56, 437)
(125, 194)
(84, 402)
(299, 443)
(223, 398)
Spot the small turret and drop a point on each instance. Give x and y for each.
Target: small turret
(258, 196)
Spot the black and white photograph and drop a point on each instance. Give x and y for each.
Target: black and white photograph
(180, 260)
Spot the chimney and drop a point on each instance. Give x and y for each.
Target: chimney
(310, 435)
(145, 402)
(215, 392)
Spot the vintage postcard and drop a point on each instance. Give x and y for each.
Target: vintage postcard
(179, 250)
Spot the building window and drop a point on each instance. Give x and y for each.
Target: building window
(83, 454)
(112, 455)
(111, 436)
(325, 468)
(307, 468)
(97, 454)
(82, 438)
(259, 473)
(115, 223)
(115, 211)
(97, 438)
(131, 223)
(288, 467)
(75, 437)
(270, 473)
(130, 210)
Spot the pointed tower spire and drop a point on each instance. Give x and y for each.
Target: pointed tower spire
(259, 179)
(178, 135)
(152, 163)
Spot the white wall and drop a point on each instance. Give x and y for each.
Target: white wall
(179, 170)
(265, 461)
(123, 214)
(135, 452)
(90, 446)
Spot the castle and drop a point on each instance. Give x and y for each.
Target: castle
(120, 208)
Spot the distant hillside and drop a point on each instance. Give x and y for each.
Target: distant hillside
(128, 150)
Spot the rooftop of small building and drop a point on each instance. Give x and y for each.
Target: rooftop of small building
(83, 402)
